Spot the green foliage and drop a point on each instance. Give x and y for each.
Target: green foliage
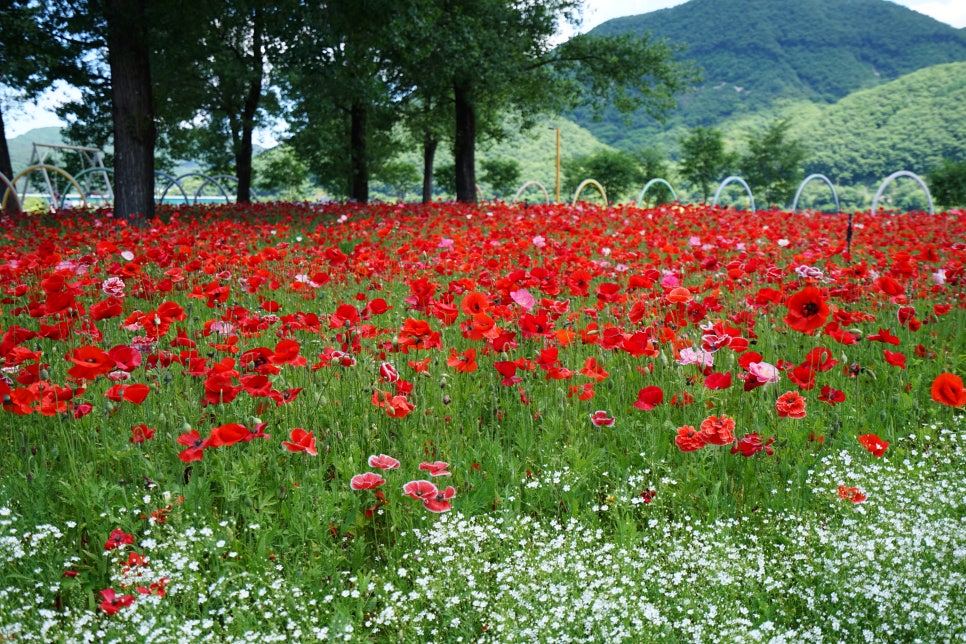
(280, 173)
(398, 178)
(758, 54)
(947, 183)
(619, 172)
(502, 175)
(704, 160)
(772, 164)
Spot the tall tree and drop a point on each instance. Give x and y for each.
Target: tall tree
(217, 69)
(773, 165)
(339, 80)
(500, 56)
(110, 57)
(29, 64)
(704, 160)
(132, 107)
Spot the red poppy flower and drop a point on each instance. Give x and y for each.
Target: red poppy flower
(853, 494)
(141, 433)
(601, 418)
(300, 441)
(807, 310)
(383, 462)
(195, 445)
(463, 362)
(367, 481)
(508, 370)
(649, 397)
(228, 434)
(718, 380)
(89, 363)
(112, 602)
(884, 335)
(689, 439)
(395, 406)
(751, 444)
(718, 430)
(831, 396)
(947, 389)
(820, 359)
(874, 444)
(117, 539)
(896, 359)
(437, 468)
(790, 405)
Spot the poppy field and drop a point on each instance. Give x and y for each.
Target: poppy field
(294, 422)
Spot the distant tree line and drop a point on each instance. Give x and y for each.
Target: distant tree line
(354, 80)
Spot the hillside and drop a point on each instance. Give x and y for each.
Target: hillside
(21, 147)
(757, 54)
(912, 123)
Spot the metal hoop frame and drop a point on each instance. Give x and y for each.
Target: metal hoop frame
(647, 186)
(892, 177)
(584, 184)
(820, 177)
(734, 179)
(43, 167)
(528, 184)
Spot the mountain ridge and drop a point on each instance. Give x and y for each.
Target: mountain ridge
(755, 53)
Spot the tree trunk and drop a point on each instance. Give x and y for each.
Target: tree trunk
(6, 168)
(132, 109)
(464, 149)
(358, 161)
(430, 144)
(243, 152)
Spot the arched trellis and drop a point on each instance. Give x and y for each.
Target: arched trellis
(10, 190)
(45, 169)
(892, 177)
(104, 172)
(217, 181)
(584, 184)
(647, 186)
(206, 181)
(172, 181)
(734, 179)
(813, 177)
(529, 184)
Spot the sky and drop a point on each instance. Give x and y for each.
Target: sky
(21, 118)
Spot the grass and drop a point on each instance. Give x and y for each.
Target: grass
(560, 530)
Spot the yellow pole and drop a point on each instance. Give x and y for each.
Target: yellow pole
(558, 165)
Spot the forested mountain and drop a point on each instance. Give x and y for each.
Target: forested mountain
(912, 123)
(757, 54)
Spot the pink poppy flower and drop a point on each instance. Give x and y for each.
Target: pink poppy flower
(440, 502)
(764, 372)
(600, 418)
(437, 468)
(367, 481)
(383, 462)
(420, 489)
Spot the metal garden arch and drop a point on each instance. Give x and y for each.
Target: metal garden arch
(647, 186)
(734, 179)
(812, 177)
(892, 177)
